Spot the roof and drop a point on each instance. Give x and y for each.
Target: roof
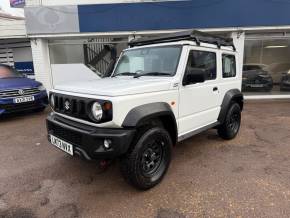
(6, 16)
(190, 35)
(11, 26)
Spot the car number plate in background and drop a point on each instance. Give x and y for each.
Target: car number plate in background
(257, 85)
(64, 146)
(23, 99)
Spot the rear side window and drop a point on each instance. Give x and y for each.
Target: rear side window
(229, 66)
(203, 60)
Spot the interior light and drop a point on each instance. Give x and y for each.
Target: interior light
(276, 46)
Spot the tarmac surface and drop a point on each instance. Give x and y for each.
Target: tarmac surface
(208, 177)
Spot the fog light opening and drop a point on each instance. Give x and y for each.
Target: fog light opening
(107, 143)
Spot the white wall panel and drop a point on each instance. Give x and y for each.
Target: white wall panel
(41, 63)
(12, 29)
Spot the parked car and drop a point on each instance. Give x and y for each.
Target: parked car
(285, 81)
(162, 91)
(256, 77)
(18, 93)
(278, 70)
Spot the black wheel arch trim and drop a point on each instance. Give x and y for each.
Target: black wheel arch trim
(231, 95)
(142, 113)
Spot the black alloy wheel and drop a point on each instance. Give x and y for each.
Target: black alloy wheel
(146, 163)
(231, 126)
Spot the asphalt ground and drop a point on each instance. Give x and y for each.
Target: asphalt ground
(208, 177)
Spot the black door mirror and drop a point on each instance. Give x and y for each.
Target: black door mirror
(194, 75)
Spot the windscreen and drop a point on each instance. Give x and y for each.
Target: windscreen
(163, 60)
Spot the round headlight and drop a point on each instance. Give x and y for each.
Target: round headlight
(51, 101)
(97, 111)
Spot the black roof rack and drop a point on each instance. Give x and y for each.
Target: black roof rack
(191, 35)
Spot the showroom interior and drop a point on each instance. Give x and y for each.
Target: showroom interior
(266, 57)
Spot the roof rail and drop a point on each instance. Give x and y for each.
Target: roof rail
(191, 35)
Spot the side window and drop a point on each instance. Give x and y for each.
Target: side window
(229, 66)
(203, 60)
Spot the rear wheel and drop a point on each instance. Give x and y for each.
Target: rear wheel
(230, 128)
(146, 163)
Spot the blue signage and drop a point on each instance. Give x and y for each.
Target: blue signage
(24, 67)
(189, 14)
(17, 3)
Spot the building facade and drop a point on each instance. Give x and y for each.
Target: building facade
(93, 33)
(15, 49)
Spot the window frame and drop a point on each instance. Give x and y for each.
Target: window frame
(202, 50)
(222, 63)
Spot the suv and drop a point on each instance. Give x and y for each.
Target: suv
(163, 90)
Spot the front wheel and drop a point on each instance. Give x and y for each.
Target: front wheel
(230, 128)
(146, 163)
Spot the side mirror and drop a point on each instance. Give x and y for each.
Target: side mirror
(194, 75)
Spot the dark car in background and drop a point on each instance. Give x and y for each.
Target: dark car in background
(18, 93)
(285, 81)
(256, 77)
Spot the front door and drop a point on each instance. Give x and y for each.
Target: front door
(199, 104)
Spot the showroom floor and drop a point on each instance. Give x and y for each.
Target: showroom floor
(245, 177)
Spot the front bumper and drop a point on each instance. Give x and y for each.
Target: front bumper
(88, 141)
(7, 106)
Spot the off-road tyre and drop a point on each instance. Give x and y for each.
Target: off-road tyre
(146, 163)
(231, 126)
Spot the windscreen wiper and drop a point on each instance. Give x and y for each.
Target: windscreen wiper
(124, 74)
(151, 74)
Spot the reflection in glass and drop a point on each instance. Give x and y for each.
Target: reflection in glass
(266, 66)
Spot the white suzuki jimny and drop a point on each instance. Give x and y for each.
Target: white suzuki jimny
(162, 91)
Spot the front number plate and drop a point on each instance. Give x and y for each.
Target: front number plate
(64, 146)
(23, 99)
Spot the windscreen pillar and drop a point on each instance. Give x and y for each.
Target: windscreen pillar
(239, 42)
(41, 62)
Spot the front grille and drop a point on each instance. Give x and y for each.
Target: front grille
(18, 92)
(73, 106)
(79, 107)
(65, 134)
(10, 108)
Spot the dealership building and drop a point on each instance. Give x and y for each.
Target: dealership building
(88, 35)
(15, 47)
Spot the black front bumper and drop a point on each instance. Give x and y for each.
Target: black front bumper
(88, 141)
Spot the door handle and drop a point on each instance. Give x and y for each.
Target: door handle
(215, 89)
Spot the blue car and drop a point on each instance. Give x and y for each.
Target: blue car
(18, 93)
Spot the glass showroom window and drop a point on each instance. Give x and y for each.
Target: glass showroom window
(95, 56)
(266, 67)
